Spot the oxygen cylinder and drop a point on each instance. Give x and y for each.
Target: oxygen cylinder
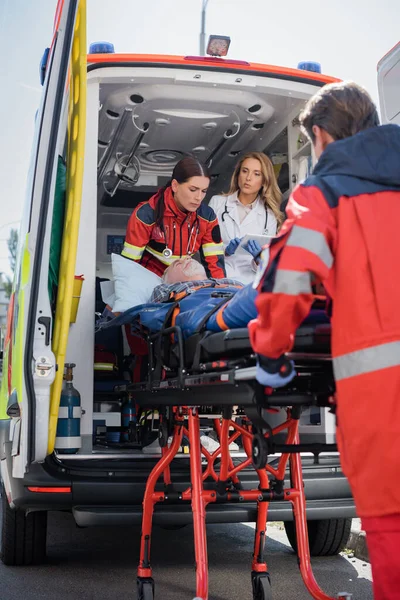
(68, 436)
(128, 414)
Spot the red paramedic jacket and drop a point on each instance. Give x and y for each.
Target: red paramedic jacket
(343, 230)
(182, 233)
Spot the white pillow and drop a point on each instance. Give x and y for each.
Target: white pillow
(107, 290)
(133, 283)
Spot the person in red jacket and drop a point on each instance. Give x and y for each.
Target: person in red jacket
(343, 231)
(175, 223)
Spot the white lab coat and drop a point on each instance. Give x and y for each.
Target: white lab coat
(240, 265)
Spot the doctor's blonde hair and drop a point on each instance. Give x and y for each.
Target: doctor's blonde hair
(269, 193)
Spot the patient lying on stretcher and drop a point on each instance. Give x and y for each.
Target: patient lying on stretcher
(187, 299)
(216, 304)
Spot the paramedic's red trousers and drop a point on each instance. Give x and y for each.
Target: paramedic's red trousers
(383, 539)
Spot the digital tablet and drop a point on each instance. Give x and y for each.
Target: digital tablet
(261, 239)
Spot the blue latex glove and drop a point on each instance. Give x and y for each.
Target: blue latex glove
(232, 246)
(274, 372)
(253, 247)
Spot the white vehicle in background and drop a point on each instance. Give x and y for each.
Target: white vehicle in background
(389, 86)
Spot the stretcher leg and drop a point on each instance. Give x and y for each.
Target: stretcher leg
(226, 460)
(270, 488)
(298, 501)
(259, 565)
(167, 471)
(260, 578)
(145, 582)
(198, 506)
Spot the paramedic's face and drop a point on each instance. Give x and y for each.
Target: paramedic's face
(190, 194)
(250, 176)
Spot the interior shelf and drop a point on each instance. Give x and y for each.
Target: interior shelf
(305, 150)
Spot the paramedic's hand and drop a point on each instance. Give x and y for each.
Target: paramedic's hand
(232, 246)
(253, 247)
(274, 372)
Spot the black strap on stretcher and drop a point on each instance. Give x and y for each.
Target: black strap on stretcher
(159, 339)
(202, 324)
(162, 343)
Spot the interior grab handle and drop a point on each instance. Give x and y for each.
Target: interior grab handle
(229, 134)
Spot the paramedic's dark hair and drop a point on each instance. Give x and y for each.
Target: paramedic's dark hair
(341, 109)
(184, 170)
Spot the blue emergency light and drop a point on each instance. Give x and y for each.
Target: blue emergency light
(314, 67)
(43, 65)
(101, 48)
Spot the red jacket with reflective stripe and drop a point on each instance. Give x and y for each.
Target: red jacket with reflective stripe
(182, 233)
(343, 230)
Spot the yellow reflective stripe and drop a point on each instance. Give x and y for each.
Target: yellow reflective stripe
(104, 366)
(367, 360)
(133, 246)
(134, 252)
(292, 282)
(75, 162)
(125, 253)
(16, 343)
(213, 249)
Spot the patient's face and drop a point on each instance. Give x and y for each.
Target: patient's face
(184, 269)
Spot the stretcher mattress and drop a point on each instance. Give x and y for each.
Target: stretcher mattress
(311, 339)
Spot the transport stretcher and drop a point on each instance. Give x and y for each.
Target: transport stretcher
(190, 376)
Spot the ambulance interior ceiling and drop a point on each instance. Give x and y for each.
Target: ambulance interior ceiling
(147, 124)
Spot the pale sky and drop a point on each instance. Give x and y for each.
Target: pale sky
(347, 37)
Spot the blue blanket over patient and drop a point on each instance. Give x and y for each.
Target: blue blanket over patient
(209, 308)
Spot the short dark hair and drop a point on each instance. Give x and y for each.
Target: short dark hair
(342, 109)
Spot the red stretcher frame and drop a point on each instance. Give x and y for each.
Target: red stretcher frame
(200, 498)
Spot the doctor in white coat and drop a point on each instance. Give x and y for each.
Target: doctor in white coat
(251, 207)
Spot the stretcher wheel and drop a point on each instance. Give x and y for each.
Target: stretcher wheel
(145, 588)
(261, 586)
(259, 451)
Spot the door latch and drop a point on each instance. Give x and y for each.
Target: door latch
(43, 367)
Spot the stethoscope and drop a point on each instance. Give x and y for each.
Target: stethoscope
(226, 212)
(194, 229)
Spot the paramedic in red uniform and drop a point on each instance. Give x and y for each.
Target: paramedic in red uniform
(343, 231)
(175, 223)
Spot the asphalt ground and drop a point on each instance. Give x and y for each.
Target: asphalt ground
(100, 564)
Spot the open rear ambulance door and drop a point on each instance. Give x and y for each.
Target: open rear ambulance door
(30, 361)
(389, 86)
